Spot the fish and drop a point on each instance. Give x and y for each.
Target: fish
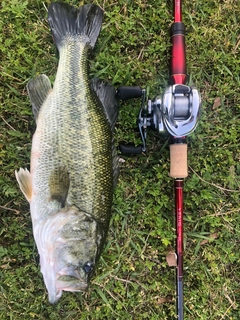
(74, 164)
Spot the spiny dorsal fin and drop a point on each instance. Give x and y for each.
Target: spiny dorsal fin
(24, 180)
(116, 167)
(38, 90)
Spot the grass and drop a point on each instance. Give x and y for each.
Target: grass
(133, 280)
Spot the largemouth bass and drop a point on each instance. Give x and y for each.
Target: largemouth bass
(73, 160)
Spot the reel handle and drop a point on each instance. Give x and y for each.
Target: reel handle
(125, 92)
(130, 149)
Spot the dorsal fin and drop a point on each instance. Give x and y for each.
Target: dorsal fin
(24, 180)
(38, 90)
(107, 95)
(116, 167)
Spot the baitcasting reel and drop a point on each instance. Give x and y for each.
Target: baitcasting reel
(176, 111)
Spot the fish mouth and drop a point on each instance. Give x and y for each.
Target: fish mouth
(69, 283)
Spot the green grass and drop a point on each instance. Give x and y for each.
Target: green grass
(133, 280)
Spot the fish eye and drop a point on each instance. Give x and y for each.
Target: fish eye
(88, 267)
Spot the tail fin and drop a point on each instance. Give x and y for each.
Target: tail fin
(66, 20)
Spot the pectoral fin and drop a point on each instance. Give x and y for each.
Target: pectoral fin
(59, 184)
(38, 90)
(24, 180)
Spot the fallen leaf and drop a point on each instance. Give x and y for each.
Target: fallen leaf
(212, 236)
(217, 103)
(171, 258)
(166, 299)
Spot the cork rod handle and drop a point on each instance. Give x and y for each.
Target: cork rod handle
(178, 161)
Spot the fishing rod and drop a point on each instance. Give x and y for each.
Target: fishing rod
(177, 112)
(178, 150)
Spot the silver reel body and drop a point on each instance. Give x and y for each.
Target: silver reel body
(176, 111)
